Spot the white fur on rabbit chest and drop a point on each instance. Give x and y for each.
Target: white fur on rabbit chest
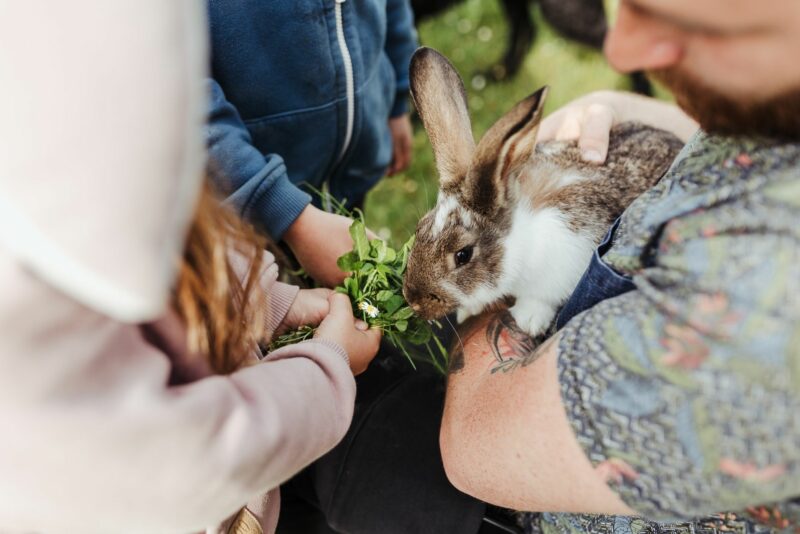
(543, 262)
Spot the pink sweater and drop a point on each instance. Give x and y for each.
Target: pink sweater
(109, 427)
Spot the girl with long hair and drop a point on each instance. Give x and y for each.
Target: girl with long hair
(133, 393)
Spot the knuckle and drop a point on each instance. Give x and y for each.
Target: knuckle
(590, 143)
(597, 110)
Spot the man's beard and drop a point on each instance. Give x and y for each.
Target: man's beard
(777, 117)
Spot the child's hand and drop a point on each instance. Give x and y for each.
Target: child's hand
(317, 239)
(400, 127)
(358, 340)
(310, 307)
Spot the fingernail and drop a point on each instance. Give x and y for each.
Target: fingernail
(361, 325)
(593, 155)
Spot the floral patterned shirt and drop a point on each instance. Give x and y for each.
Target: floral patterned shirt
(685, 393)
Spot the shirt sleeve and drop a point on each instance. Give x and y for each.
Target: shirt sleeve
(256, 185)
(401, 42)
(684, 392)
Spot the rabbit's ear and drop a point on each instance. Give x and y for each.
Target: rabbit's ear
(508, 144)
(441, 101)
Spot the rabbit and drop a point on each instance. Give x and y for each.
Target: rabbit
(514, 218)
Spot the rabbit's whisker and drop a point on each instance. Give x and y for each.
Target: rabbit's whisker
(455, 331)
(427, 199)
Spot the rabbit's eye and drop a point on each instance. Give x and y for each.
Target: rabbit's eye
(463, 256)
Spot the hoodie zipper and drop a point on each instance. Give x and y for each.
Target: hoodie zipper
(348, 75)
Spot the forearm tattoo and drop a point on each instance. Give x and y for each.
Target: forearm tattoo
(509, 345)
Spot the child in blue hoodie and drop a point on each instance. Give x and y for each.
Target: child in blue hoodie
(307, 91)
(316, 91)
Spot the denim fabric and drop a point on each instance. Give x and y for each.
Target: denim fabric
(598, 283)
(279, 106)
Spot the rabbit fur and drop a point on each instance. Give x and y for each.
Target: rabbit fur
(515, 218)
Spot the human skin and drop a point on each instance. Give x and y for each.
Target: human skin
(317, 251)
(402, 138)
(505, 437)
(332, 315)
(739, 48)
(353, 335)
(317, 239)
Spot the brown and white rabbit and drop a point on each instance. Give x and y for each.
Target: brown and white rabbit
(513, 218)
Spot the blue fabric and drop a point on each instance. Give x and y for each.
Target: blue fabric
(279, 100)
(599, 282)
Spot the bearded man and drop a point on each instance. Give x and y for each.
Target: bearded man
(671, 389)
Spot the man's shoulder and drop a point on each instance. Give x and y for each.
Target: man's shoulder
(732, 188)
(737, 185)
(745, 163)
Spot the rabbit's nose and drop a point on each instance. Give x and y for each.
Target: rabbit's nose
(434, 297)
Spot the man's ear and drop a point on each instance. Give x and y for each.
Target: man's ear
(506, 146)
(441, 101)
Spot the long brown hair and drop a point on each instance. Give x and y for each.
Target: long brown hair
(218, 290)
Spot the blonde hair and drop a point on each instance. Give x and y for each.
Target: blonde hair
(223, 311)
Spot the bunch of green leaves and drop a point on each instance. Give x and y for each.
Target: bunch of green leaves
(375, 289)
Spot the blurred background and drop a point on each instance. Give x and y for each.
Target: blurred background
(474, 35)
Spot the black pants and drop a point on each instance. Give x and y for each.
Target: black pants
(386, 476)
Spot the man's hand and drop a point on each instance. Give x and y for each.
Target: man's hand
(400, 127)
(354, 335)
(317, 239)
(310, 307)
(589, 119)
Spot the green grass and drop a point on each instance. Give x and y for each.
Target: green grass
(473, 36)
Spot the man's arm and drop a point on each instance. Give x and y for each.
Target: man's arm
(505, 436)
(683, 393)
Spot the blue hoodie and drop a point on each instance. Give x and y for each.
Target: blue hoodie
(302, 91)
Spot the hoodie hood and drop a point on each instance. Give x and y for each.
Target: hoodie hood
(101, 146)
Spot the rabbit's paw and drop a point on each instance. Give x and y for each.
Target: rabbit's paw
(465, 312)
(533, 316)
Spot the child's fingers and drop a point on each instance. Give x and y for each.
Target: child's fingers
(322, 292)
(374, 336)
(340, 307)
(403, 155)
(368, 344)
(339, 319)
